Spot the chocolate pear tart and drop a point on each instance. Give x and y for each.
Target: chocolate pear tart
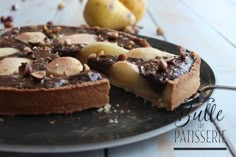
(61, 70)
(163, 79)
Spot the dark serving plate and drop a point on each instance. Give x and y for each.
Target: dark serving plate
(89, 130)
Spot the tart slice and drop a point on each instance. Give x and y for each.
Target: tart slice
(164, 79)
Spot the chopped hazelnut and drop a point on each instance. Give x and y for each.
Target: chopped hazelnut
(61, 6)
(25, 69)
(49, 23)
(38, 74)
(49, 59)
(9, 18)
(68, 42)
(83, 26)
(86, 68)
(163, 65)
(15, 31)
(8, 24)
(45, 28)
(131, 29)
(193, 54)
(14, 7)
(27, 50)
(122, 57)
(160, 31)
(131, 42)
(113, 35)
(3, 19)
(56, 29)
(182, 52)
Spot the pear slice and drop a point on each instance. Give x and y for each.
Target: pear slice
(32, 37)
(147, 53)
(108, 13)
(10, 65)
(126, 75)
(78, 39)
(64, 66)
(6, 51)
(137, 7)
(98, 47)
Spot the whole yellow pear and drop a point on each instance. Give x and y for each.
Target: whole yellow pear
(137, 7)
(108, 13)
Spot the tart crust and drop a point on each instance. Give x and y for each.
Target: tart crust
(62, 100)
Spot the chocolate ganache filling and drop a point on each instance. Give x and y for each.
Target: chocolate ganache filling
(158, 70)
(43, 52)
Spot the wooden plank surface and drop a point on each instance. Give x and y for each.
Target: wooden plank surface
(31, 12)
(72, 14)
(163, 145)
(220, 15)
(194, 33)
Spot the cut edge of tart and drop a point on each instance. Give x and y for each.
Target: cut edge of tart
(163, 79)
(61, 100)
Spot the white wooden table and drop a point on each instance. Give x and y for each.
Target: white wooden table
(205, 26)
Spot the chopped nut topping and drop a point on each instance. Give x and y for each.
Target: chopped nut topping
(86, 68)
(113, 35)
(38, 74)
(47, 41)
(9, 18)
(193, 54)
(100, 38)
(162, 65)
(122, 57)
(83, 26)
(8, 24)
(131, 42)
(182, 52)
(3, 19)
(49, 59)
(25, 69)
(49, 23)
(56, 30)
(15, 31)
(131, 29)
(27, 50)
(45, 28)
(169, 58)
(160, 31)
(61, 6)
(14, 7)
(68, 42)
